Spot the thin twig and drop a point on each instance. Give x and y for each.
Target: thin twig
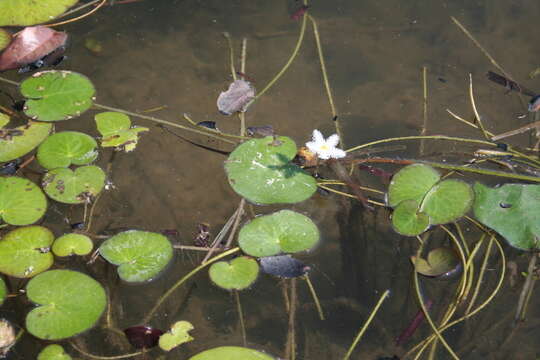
(79, 17)
(314, 296)
(240, 316)
(527, 286)
(476, 114)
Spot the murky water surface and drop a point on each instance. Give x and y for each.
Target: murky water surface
(172, 54)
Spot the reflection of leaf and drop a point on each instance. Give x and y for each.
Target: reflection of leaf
(439, 261)
(513, 210)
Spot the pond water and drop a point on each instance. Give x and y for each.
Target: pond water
(172, 54)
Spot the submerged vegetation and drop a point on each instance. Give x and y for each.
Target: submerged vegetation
(426, 197)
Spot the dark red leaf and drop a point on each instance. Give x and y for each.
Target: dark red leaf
(143, 336)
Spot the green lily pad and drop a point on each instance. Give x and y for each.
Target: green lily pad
(3, 291)
(53, 352)
(231, 353)
(17, 142)
(72, 244)
(411, 183)
(140, 255)
(24, 252)
(31, 12)
(70, 303)
(237, 274)
(57, 95)
(513, 210)
(447, 201)
(260, 170)
(439, 261)
(177, 335)
(21, 201)
(5, 39)
(66, 148)
(4, 119)
(116, 130)
(283, 231)
(408, 220)
(74, 187)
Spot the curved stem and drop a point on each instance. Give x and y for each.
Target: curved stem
(79, 17)
(184, 279)
(98, 357)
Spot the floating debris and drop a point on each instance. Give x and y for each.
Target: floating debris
(297, 15)
(236, 98)
(534, 104)
(32, 46)
(264, 130)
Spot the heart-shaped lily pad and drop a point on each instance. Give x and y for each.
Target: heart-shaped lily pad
(17, 142)
(72, 244)
(116, 130)
(21, 201)
(447, 201)
(283, 231)
(66, 148)
(53, 352)
(439, 261)
(31, 12)
(57, 95)
(177, 335)
(231, 353)
(237, 274)
(437, 202)
(411, 183)
(513, 210)
(408, 220)
(260, 170)
(3, 291)
(70, 303)
(140, 255)
(24, 252)
(74, 187)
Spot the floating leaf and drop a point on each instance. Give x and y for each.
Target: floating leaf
(116, 130)
(408, 220)
(282, 231)
(74, 187)
(140, 255)
(3, 291)
(177, 335)
(70, 303)
(24, 252)
(237, 274)
(5, 39)
(4, 118)
(231, 353)
(447, 201)
(236, 98)
(30, 12)
(67, 148)
(284, 266)
(143, 337)
(260, 171)
(53, 352)
(439, 262)
(513, 210)
(411, 183)
(21, 201)
(30, 45)
(57, 95)
(72, 244)
(21, 140)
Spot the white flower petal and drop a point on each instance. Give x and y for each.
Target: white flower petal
(333, 140)
(317, 136)
(312, 146)
(337, 153)
(324, 155)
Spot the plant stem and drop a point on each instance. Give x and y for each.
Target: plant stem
(315, 297)
(366, 324)
(432, 137)
(240, 316)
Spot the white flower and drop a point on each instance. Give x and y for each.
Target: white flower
(325, 149)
